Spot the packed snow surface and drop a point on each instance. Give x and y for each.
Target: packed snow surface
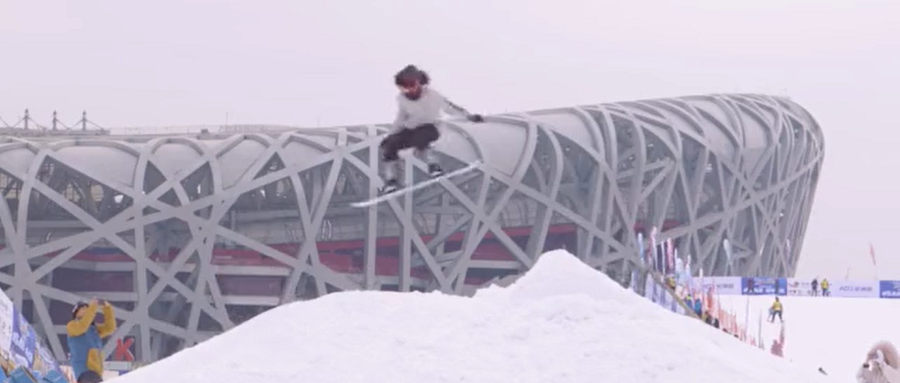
(832, 333)
(561, 322)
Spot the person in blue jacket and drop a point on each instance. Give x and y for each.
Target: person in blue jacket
(85, 339)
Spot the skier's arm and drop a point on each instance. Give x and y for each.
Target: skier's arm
(452, 108)
(109, 321)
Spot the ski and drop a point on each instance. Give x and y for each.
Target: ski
(409, 189)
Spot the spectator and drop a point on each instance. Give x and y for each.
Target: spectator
(710, 320)
(815, 287)
(698, 306)
(825, 285)
(85, 339)
(776, 309)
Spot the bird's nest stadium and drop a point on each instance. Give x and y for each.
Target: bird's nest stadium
(191, 234)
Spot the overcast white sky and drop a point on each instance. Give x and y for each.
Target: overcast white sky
(184, 62)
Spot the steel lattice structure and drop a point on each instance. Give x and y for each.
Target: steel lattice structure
(190, 234)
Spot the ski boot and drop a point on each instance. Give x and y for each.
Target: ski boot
(390, 186)
(435, 170)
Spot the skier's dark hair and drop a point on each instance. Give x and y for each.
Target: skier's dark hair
(78, 305)
(409, 74)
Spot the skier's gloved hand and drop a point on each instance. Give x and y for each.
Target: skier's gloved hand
(475, 118)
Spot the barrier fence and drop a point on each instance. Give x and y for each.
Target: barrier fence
(793, 287)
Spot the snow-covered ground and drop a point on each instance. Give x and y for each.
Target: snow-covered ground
(561, 322)
(832, 333)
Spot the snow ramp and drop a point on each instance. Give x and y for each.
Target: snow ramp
(560, 322)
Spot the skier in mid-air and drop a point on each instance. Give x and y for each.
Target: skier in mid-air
(416, 125)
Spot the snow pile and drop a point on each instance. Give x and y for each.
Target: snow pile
(561, 322)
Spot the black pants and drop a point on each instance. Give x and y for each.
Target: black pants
(774, 314)
(419, 138)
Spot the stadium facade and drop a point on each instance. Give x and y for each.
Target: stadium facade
(189, 235)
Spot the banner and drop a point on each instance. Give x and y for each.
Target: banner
(889, 289)
(724, 285)
(764, 286)
(658, 294)
(44, 361)
(6, 324)
(23, 338)
(19, 344)
(853, 289)
(798, 288)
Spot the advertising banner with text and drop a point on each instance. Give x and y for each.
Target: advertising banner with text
(724, 285)
(798, 288)
(853, 289)
(763, 286)
(889, 289)
(837, 289)
(19, 343)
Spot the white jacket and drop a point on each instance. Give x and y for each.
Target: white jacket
(424, 110)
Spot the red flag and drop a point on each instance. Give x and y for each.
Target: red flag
(872, 253)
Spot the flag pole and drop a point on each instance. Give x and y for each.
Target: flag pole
(874, 263)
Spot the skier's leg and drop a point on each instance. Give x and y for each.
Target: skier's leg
(423, 139)
(390, 156)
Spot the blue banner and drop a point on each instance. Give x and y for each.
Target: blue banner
(20, 345)
(23, 340)
(889, 289)
(763, 286)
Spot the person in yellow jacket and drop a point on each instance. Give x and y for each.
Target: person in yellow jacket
(85, 339)
(825, 291)
(776, 309)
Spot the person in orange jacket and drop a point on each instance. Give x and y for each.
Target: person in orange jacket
(85, 339)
